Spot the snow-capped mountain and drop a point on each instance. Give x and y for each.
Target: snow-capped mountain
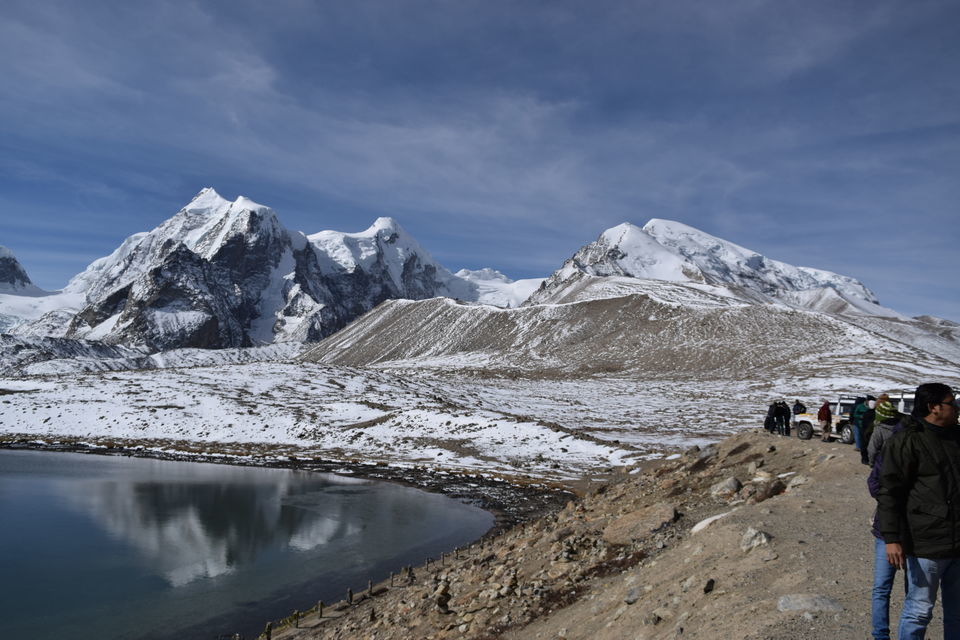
(13, 277)
(672, 251)
(223, 273)
(228, 274)
(726, 262)
(388, 262)
(660, 300)
(496, 289)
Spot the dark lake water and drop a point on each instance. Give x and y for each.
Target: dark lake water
(124, 548)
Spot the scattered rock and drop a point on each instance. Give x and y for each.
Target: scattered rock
(740, 448)
(639, 524)
(652, 619)
(807, 602)
(754, 538)
(703, 524)
(632, 596)
(767, 490)
(823, 458)
(726, 488)
(442, 596)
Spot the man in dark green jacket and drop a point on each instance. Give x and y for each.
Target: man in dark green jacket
(919, 509)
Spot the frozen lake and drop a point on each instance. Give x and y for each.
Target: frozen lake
(121, 548)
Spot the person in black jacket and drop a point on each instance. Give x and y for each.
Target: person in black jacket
(797, 409)
(782, 416)
(918, 509)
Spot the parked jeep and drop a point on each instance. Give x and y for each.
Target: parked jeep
(842, 427)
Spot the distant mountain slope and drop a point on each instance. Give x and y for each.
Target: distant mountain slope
(636, 334)
(20, 299)
(494, 288)
(23, 356)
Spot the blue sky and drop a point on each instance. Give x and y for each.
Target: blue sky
(498, 133)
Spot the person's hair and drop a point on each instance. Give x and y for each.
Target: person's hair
(928, 394)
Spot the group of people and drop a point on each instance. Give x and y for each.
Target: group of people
(780, 416)
(915, 479)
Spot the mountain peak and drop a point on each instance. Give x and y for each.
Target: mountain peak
(246, 204)
(723, 261)
(13, 277)
(673, 251)
(386, 223)
(207, 199)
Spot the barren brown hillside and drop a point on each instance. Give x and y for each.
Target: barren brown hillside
(633, 334)
(760, 537)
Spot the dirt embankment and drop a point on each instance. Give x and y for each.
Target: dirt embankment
(788, 556)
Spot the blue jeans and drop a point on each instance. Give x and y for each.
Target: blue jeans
(924, 577)
(858, 437)
(883, 578)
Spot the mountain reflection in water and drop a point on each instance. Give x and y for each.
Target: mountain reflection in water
(137, 548)
(213, 519)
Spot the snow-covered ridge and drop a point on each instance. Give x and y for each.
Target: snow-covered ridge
(496, 289)
(26, 356)
(386, 247)
(672, 251)
(729, 262)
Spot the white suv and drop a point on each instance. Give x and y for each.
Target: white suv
(840, 410)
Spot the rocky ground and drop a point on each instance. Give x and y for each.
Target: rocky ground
(758, 537)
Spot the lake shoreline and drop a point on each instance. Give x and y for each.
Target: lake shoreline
(510, 499)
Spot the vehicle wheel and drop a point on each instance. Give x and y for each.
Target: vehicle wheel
(846, 432)
(804, 430)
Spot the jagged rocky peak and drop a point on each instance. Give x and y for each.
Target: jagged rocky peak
(223, 273)
(210, 226)
(13, 277)
(210, 221)
(388, 253)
